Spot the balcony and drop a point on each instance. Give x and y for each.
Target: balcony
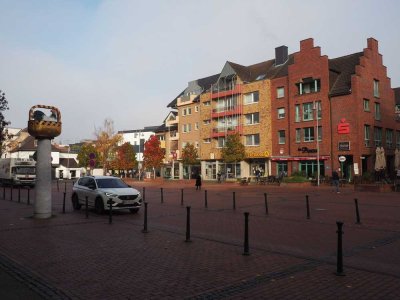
(225, 111)
(225, 93)
(174, 136)
(186, 99)
(223, 131)
(170, 123)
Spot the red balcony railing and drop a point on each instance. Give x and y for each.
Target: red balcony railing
(221, 94)
(223, 131)
(228, 111)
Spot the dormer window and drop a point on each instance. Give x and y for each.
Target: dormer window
(309, 85)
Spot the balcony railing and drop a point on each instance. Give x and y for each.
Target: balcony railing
(226, 111)
(224, 93)
(222, 131)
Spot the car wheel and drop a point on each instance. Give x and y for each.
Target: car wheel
(75, 202)
(134, 210)
(99, 206)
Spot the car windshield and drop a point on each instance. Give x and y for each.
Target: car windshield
(109, 183)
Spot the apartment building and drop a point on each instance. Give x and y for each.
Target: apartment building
(299, 112)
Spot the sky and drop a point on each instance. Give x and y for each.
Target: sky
(126, 60)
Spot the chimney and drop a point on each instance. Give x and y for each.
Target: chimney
(281, 55)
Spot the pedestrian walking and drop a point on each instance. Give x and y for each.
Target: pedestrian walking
(219, 177)
(198, 182)
(335, 181)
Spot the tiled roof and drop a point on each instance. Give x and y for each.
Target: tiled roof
(28, 144)
(340, 71)
(397, 95)
(69, 162)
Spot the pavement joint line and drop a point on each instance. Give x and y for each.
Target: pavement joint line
(31, 280)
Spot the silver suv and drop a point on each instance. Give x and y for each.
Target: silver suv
(99, 190)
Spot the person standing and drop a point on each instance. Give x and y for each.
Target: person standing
(198, 182)
(335, 180)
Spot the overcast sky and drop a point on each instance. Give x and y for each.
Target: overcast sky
(127, 59)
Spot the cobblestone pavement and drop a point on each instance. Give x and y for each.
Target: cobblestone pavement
(291, 257)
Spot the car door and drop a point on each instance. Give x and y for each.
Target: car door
(91, 191)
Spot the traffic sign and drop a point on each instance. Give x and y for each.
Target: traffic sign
(342, 158)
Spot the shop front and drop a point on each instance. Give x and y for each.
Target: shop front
(308, 166)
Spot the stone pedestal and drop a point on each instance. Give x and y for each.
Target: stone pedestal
(42, 205)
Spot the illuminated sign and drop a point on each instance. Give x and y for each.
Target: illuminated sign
(258, 154)
(343, 127)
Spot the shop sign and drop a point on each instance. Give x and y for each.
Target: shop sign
(307, 150)
(258, 154)
(344, 146)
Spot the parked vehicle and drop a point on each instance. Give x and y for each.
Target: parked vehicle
(18, 171)
(99, 190)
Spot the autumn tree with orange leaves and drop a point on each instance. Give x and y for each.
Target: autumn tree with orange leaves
(125, 158)
(153, 154)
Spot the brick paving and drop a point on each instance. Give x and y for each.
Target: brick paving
(291, 257)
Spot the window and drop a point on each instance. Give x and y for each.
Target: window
(319, 133)
(297, 113)
(186, 127)
(207, 141)
(253, 118)
(281, 113)
(377, 111)
(389, 138)
(196, 108)
(281, 137)
(298, 135)
(367, 135)
(189, 111)
(378, 136)
(206, 122)
(308, 86)
(252, 140)
(184, 112)
(220, 142)
(308, 111)
(366, 105)
(207, 103)
(318, 107)
(251, 98)
(376, 88)
(196, 145)
(308, 134)
(398, 139)
(280, 92)
(196, 126)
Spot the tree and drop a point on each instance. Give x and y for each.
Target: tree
(3, 123)
(83, 155)
(125, 158)
(106, 142)
(234, 150)
(189, 155)
(153, 154)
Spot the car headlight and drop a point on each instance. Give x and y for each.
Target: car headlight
(111, 195)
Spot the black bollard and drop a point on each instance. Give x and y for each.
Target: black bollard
(205, 199)
(339, 265)
(308, 207)
(64, 202)
(4, 193)
(145, 219)
(58, 186)
(110, 211)
(181, 196)
(65, 187)
(29, 196)
(19, 194)
(357, 212)
(246, 234)
(144, 194)
(266, 203)
(187, 224)
(162, 195)
(87, 207)
(234, 200)
(11, 192)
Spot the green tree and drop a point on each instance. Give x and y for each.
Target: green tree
(106, 143)
(234, 149)
(83, 155)
(153, 154)
(189, 155)
(3, 123)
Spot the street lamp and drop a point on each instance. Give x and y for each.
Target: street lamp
(316, 108)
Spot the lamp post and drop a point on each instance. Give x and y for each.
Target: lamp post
(316, 108)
